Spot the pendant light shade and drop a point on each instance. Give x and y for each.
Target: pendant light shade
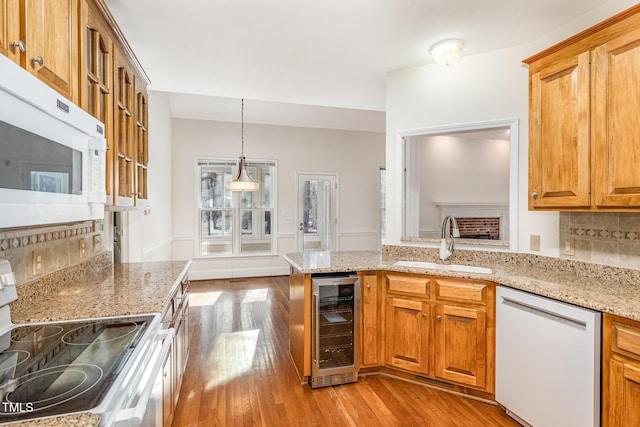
(243, 181)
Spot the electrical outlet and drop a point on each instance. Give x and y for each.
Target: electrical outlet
(534, 242)
(97, 243)
(37, 258)
(83, 248)
(569, 247)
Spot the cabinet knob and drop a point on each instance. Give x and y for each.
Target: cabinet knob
(368, 286)
(534, 195)
(424, 315)
(438, 317)
(19, 45)
(37, 60)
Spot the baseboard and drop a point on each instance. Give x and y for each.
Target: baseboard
(228, 273)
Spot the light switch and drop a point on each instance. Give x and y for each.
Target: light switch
(534, 242)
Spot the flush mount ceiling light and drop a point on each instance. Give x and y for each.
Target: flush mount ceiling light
(243, 181)
(445, 52)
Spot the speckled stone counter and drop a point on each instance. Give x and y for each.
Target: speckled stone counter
(96, 288)
(79, 420)
(119, 289)
(599, 287)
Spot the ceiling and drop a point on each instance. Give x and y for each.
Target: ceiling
(312, 57)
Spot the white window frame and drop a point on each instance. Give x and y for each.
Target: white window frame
(257, 233)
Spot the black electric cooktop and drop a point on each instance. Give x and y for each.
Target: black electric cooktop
(64, 367)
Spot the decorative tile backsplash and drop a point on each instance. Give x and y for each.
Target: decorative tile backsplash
(54, 247)
(604, 238)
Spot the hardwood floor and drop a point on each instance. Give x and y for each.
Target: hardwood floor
(239, 373)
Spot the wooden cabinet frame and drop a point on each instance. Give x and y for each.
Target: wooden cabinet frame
(583, 127)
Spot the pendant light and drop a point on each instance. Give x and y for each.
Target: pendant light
(242, 182)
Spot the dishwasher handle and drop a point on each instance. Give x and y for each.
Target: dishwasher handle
(558, 317)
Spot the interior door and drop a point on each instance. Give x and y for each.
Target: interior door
(316, 212)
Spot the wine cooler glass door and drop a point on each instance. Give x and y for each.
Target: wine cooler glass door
(336, 308)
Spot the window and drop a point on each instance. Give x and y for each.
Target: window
(235, 223)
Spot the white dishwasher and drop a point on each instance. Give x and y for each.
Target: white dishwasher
(547, 360)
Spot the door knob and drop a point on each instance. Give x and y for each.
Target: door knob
(37, 60)
(19, 45)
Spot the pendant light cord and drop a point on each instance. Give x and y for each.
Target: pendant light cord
(242, 129)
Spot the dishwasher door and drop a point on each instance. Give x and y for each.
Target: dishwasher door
(547, 360)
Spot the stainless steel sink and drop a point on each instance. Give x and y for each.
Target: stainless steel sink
(445, 267)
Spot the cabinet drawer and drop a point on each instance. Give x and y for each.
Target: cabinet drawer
(454, 290)
(625, 339)
(408, 283)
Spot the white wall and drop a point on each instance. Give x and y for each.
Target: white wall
(456, 169)
(156, 228)
(491, 86)
(354, 156)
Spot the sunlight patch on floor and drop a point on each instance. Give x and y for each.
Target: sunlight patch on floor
(200, 299)
(255, 295)
(232, 356)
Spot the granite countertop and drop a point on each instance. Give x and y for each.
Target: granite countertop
(102, 291)
(117, 290)
(599, 287)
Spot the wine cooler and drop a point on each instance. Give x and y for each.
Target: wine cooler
(336, 315)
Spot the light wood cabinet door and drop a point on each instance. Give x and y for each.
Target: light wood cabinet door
(51, 39)
(616, 144)
(623, 394)
(407, 334)
(461, 345)
(124, 147)
(370, 321)
(141, 139)
(96, 85)
(559, 134)
(10, 29)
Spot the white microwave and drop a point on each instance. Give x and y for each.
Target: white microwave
(52, 154)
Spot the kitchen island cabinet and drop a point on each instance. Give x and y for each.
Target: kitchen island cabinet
(583, 132)
(370, 320)
(620, 372)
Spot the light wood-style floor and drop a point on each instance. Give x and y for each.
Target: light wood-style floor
(239, 373)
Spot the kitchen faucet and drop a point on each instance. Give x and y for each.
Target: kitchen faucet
(450, 227)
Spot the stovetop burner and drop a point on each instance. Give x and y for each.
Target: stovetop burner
(64, 367)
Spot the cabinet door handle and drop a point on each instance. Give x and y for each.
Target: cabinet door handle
(37, 60)
(424, 315)
(534, 195)
(19, 45)
(438, 317)
(368, 286)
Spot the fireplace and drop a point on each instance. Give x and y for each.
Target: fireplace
(479, 221)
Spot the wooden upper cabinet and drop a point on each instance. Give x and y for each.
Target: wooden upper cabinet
(616, 143)
(50, 35)
(559, 133)
(124, 147)
(584, 136)
(96, 83)
(141, 142)
(10, 29)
